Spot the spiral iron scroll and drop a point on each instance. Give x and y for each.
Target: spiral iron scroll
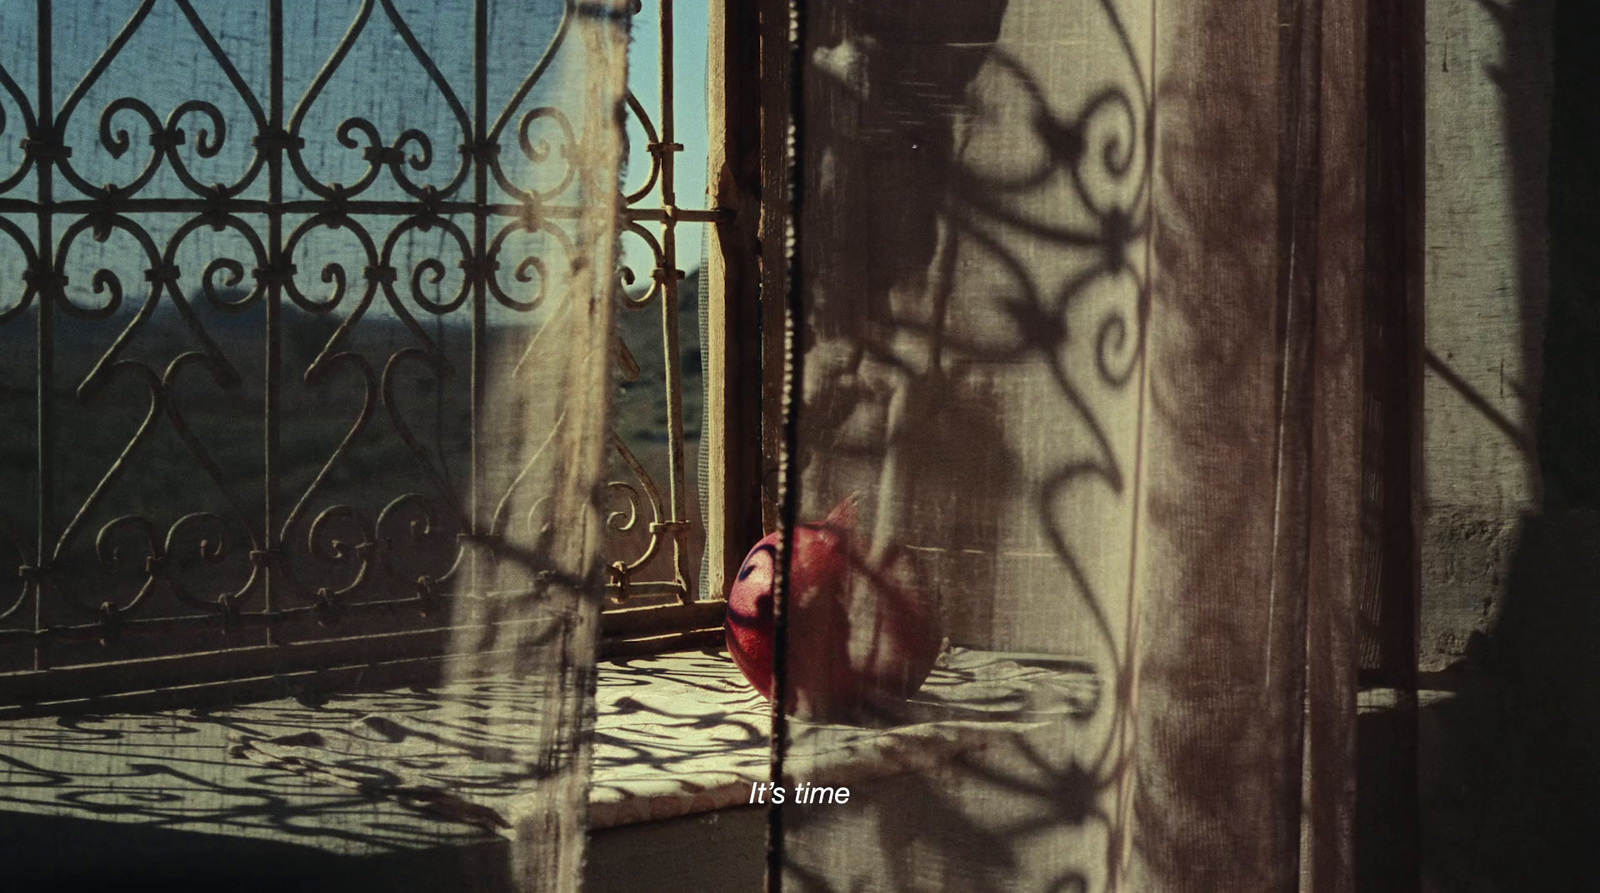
(326, 559)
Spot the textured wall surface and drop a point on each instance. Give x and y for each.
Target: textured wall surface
(1511, 567)
(1488, 82)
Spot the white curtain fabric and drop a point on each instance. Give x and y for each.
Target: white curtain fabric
(1081, 298)
(547, 420)
(320, 294)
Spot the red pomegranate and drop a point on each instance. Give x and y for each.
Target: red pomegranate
(860, 641)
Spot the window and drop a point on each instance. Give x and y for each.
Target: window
(244, 321)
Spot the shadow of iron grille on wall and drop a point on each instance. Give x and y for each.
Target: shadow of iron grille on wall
(244, 426)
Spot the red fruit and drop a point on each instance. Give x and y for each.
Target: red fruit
(860, 642)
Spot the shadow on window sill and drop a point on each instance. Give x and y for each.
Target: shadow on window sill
(410, 770)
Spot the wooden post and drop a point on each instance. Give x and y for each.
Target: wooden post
(732, 431)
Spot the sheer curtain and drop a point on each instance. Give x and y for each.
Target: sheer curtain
(306, 362)
(547, 423)
(1079, 291)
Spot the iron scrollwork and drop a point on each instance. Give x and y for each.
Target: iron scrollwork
(284, 536)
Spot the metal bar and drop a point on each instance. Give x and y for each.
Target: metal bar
(480, 304)
(660, 619)
(274, 358)
(645, 588)
(681, 215)
(668, 147)
(672, 379)
(295, 672)
(46, 345)
(354, 207)
(683, 640)
(256, 619)
(632, 623)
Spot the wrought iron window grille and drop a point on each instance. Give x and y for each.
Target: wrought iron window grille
(326, 583)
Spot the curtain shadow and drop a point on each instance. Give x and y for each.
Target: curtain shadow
(975, 224)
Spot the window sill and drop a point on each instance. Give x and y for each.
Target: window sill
(677, 735)
(684, 733)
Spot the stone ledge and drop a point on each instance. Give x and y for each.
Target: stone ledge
(677, 734)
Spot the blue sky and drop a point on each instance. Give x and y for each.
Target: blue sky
(690, 22)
